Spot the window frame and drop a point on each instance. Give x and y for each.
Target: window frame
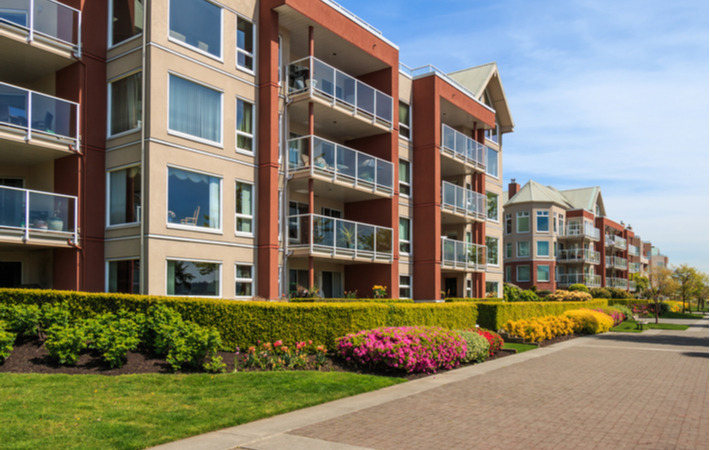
(245, 216)
(537, 274)
(469, 288)
(497, 175)
(172, 225)
(405, 286)
(190, 137)
(219, 58)
(517, 273)
(252, 136)
(243, 280)
(409, 173)
(537, 249)
(408, 126)
(497, 289)
(508, 274)
(497, 252)
(497, 219)
(517, 249)
(408, 242)
(109, 39)
(253, 54)
(107, 262)
(508, 254)
(508, 230)
(108, 198)
(220, 264)
(109, 95)
(518, 216)
(538, 215)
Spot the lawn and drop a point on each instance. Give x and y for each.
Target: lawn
(521, 348)
(139, 411)
(630, 327)
(676, 315)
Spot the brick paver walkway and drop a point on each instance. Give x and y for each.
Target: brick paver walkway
(617, 391)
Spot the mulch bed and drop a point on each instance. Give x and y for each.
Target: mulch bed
(29, 356)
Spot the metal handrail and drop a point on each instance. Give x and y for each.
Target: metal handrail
(586, 279)
(465, 201)
(459, 254)
(585, 230)
(33, 31)
(463, 147)
(25, 223)
(618, 263)
(622, 283)
(616, 241)
(579, 254)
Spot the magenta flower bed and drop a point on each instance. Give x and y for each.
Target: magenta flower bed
(409, 349)
(617, 317)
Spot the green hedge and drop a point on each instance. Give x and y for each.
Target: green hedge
(351, 300)
(487, 299)
(243, 323)
(629, 301)
(494, 315)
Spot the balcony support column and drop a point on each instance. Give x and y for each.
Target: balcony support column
(311, 42)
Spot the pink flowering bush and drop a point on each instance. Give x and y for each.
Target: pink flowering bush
(409, 349)
(616, 314)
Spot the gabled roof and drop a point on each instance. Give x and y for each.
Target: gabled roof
(479, 78)
(535, 192)
(586, 198)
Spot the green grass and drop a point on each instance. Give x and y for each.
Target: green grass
(139, 411)
(677, 315)
(630, 327)
(521, 348)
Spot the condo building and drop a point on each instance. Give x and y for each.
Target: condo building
(238, 149)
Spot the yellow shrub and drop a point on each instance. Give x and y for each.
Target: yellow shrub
(561, 295)
(676, 306)
(589, 322)
(540, 328)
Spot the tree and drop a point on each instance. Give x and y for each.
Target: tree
(688, 280)
(641, 282)
(702, 290)
(661, 284)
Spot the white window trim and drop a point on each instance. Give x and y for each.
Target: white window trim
(517, 274)
(497, 263)
(505, 224)
(253, 127)
(519, 215)
(409, 164)
(497, 175)
(537, 214)
(549, 274)
(517, 250)
(508, 245)
(190, 137)
(497, 219)
(469, 288)
(219, 58)
(108, 199)
(110, 260)
(244, 216)
(508, 275)
(110, 104)
(194, 260)
(408, 126)
(537, 249)
(188, 227)
(109, 40)
(406, 286)
(409, 221)
(239, 50)
(243, 280)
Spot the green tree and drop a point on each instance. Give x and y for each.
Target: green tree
(641, 282)
(701, 290)
(687, 279)
(661, 284)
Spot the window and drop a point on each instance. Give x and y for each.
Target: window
(508, 250)
(330, 212)
(405, 123)
(125, 104)
(492, 246)
(562, 225)
(492, 134)
(281, 58)
(245, 46)
(508, 274)
(508, 224)
(543, 221)
(405, 286)
(124, 276)
(405, 188)
(281, 212)
(193, 278)
(405, 240)
(492, 206)
(492, 288)
(469, 288)
(281, 132)
(554, 246)
(126, 20)
(244, 281)
(523, 273)
(195, 110)
(543, 248)
(492, 163)
(193, 199)
(469, 237)
(244, 212)
(554, 223)
(523, 249)
(543, 273)
(14, 16)
(124, 194)
(197, 24)
(523, 222)
(245, 126)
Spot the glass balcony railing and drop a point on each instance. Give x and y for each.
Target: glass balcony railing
(313, 75)
(577, 230)
(319, 156)
(35, 214)
(338, 237)
(47, 20)
(644, 259)
(579, 255)
(39, 115)
(620, 283)
(616, 262)
(634, 267)
(634, 250)
(463, 201)
(463, 255)
(459, 146)
(568, 279)
(615, 241)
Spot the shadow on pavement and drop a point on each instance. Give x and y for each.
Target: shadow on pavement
(657, 339)
(696, 354)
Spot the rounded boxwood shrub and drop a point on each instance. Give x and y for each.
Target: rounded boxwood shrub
(619, 293)
(600, 293)
(579, 287)
(529, 296)
(477, 346)
(511, 292)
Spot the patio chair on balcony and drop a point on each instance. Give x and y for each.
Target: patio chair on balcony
(191, 220)
(44, 125)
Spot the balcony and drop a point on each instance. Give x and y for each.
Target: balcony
(620, 283)
(463, 154)
(578, 255)
(644, 259)
(37, 218)
(36, 127)
(462, 205)
(37, 38)
(615, 241)
(339, 172)
(464, 256)
(568, 279)
(328, 237)
(343, 105)
(634, 250)
(634, 267)
(616, 262)
(585, 231)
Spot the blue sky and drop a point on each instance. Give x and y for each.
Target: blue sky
(609, 94)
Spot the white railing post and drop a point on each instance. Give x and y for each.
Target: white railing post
(374, 240)
(312, 225)
(374, 186)
(78, 36)
(27, 215)
(31, 35)
(76, 221)
(28, 137)
(335, 236)
(311, 75)
(78, 129)
(311, 154)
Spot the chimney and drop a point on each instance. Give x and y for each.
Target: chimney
(513, 188)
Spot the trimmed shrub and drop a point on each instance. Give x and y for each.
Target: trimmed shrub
(544, 293)
(351, 300)
(590, 322)
(619, 293)
(629, 302)
(494, 340)
(34, 320)
(113, 337)
(600, 293)
(487, 299)
(561, 295)
(408, 349)
(494, 315)
(579, 288)
(7, 340)
(528, 296)
(65, 342)
(511, 292)
(477, 346)
(540, 328)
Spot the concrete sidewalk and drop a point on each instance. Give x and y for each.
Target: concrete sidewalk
(618, 390)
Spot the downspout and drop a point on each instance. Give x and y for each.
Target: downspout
(143, 168)
(284, 194)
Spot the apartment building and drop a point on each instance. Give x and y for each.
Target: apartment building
(238, 149)
(554, 239)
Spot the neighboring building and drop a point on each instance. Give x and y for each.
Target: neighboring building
(658, 259)
(239, 149)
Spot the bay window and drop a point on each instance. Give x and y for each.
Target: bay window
(194, 110)
(126, 20)
(492, 206)
(194, 199)
(522, 222)
(244, 281)
(492, 162)
(543, 221)
(123, 276)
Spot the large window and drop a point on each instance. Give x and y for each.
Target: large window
(124, 276)
(244, 281)
(508, 250)
(492, 245)
(543, 249)
(405, 286)
(195, 110)
(508, 224)
(492, 135)
(405, 239)
(124, 194)
(554, 223)
(405, 123)
(523, 249)
(193, 278)
(523, 273)
(522, 222)
(244, 216)
(126, 20)
(198, 24)
(245, 125)
(543, 273)
(125, 104)
(492, 288)
(193, 199)
(492, 164)
(405, 187)
(245, 45)
(543, 221)
(492, 206)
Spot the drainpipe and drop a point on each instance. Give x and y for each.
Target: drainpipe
(284, 195)
(142, 284)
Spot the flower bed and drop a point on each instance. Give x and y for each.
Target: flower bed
(616, 314)
(590, 322)
(540, 328)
